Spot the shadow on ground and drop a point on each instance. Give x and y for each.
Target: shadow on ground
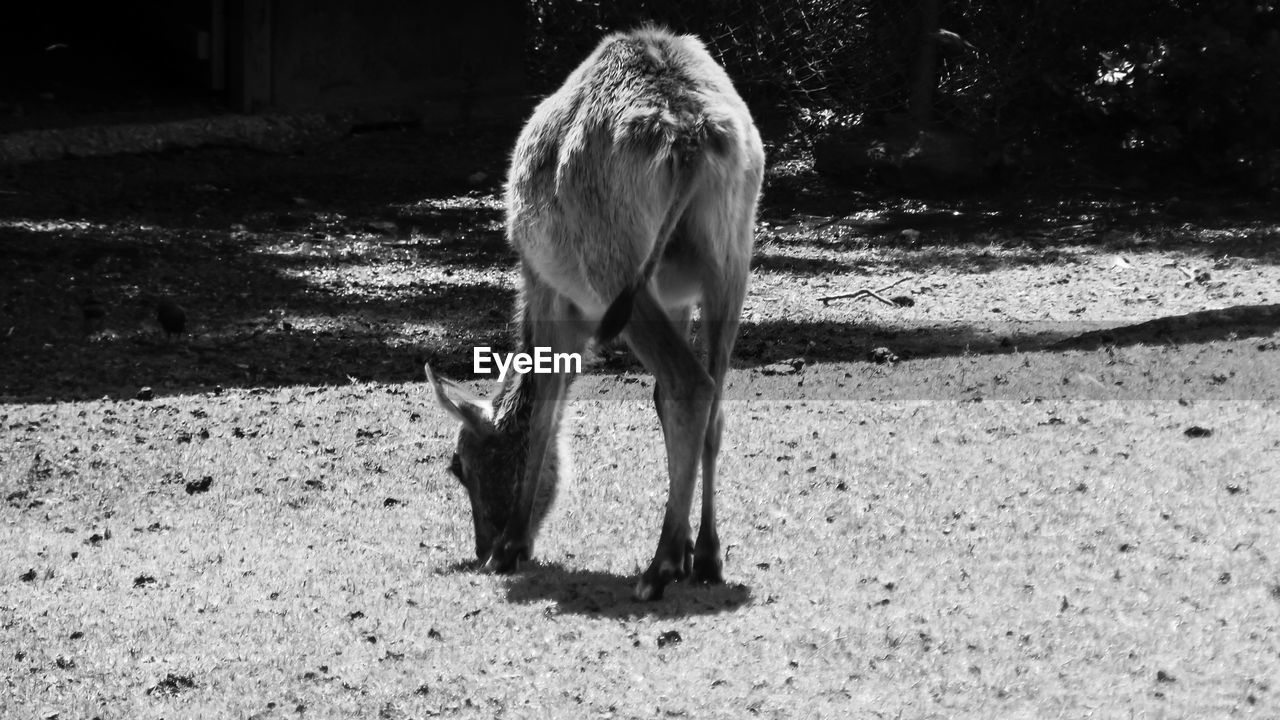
(606, 595)
(366, 257)
(1034, 223)
(777, 341)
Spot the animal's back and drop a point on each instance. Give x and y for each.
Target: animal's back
(644, 122)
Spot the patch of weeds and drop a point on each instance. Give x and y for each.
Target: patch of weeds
(172, 685)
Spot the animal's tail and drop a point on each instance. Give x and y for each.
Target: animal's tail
(686, 146)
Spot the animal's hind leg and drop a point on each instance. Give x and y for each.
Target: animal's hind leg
(720, 328)
(725, 287)
(681, 320)
(684, 400)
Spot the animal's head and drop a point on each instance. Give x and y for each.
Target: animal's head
(487, 461)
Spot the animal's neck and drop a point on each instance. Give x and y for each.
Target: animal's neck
(513, 419)
(513, 408)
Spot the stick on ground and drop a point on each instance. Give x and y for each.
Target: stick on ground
(866, 292)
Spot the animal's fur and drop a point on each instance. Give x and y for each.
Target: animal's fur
(632, 187)
(606, 166)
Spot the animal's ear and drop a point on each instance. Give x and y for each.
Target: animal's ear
(463, 405)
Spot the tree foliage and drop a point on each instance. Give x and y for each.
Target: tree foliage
(1190, 85)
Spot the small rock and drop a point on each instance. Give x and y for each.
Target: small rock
(670, 637)
(786, 367)
(777, 369)
(145, 393)
(882, 355)
(199, 486)
(1195, 431)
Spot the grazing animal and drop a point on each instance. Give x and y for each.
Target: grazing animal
(171, 316)
(631, 197)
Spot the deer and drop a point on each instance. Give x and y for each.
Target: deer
(630, 199)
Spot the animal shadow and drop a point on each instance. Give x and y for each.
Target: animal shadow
(607, 595)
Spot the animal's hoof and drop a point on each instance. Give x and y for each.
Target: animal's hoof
(662, 572)
(707, 566)
(506, 557)
(708, 570)
(646, 591)
(655, 580)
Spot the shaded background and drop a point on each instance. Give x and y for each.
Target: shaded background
(318, 184)
(1184, 86)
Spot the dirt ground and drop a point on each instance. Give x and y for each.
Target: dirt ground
(1037, 480)
(363, 257)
